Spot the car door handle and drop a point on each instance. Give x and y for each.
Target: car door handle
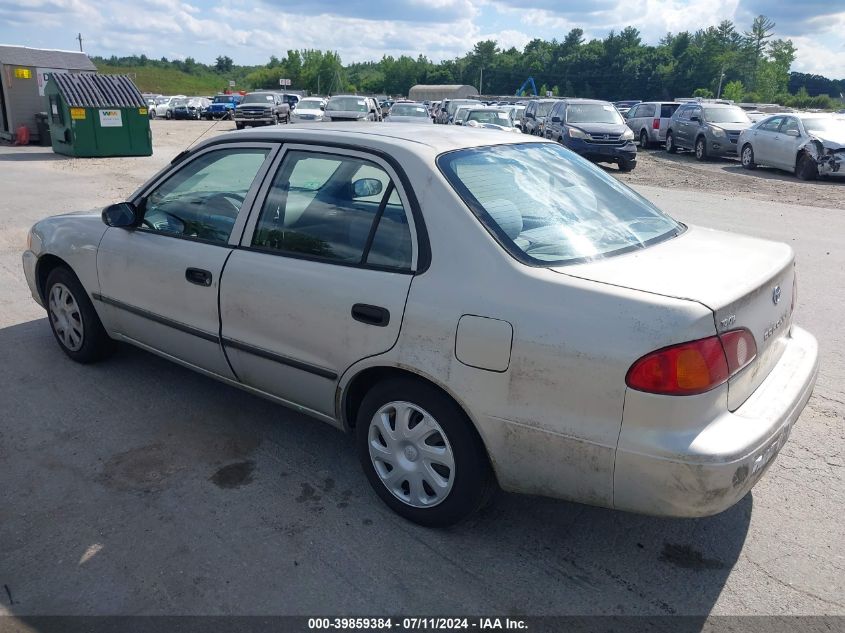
(371, 315)
(198, 276)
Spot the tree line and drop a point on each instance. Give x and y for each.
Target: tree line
(750, 65)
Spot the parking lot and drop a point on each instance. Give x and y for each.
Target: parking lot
(138, 487)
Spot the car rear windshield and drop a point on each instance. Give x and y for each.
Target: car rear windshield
(592, 113)
(816, 125)
(726, 115)
(668, 109)
(347, 104)
(402, 109)
(547, 206)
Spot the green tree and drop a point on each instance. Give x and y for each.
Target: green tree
(733, 91)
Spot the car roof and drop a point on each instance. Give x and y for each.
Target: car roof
(598, 101)
(425, 140)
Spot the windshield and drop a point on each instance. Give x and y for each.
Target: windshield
(824, 124)
(347, 104)
(258, 97)
(403, 109)
(548, 206)
(180, 102)
(309, 104)
(543, 109)
(496, 117)
(223, 99)
(454, 105)
(592, 113)
(726, 115)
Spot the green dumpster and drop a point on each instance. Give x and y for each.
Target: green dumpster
(97, 115)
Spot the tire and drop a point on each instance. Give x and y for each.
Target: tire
(167, 115)
(644, 142)
(627, 165)
(701, 148)
(806, 168)
(670, 143)
(747, 157)
(433, 495)
(152, 113)
(73, 320)
(239, 126)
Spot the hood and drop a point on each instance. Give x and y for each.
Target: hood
(613, 129)
(732, 127)
(308, 112)
(345, 114)
(407, 119)
(831, 140)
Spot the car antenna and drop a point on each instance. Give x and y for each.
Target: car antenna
(187, 149)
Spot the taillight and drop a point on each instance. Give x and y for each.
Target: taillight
(655, 125)
(695, 367)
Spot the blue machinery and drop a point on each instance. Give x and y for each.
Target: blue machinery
(525, 83)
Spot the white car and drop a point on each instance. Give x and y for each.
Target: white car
(308, 109)
(164, 106)
(807, 144)
(477, 308)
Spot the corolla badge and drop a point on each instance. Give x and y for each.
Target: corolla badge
(776, 295)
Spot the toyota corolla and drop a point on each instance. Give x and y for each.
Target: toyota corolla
(476, 309)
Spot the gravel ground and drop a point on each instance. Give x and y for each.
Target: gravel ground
(118, 494)
(726, 176)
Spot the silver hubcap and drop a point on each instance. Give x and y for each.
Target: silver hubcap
(699, 149)
(411, 454)
(746, 156)
(66, 317)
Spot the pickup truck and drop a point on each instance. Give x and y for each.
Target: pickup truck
(262, 108)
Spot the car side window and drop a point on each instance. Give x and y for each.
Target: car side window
(697, 112)
(335, 208)
(632, 113)
(202, 199)
(647, 110)
(683, 114)
(772, 124)
(790, 124)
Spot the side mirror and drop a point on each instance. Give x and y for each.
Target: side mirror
(695, 118)
(366, 187)
(555, 119)
(322, 107)
(794, 133)
(121, 215)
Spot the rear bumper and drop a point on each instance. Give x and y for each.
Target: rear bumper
(665, 467)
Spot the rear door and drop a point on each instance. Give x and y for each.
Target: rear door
(159, 282)
(322, 274)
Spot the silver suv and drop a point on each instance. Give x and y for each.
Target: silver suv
(650, 120)
(709, 129)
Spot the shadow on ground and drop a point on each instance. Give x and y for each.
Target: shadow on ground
(138, 487)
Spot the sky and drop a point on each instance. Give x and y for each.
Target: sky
(249, 31)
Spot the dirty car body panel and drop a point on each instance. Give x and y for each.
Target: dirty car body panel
(530, 329)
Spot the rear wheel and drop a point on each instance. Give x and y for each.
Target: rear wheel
(670, 143)
(420, 453)
(168, 115)
(73, 320)
(701, 148)
(644, 142)
(152, 113)
(806, 169)
(747, 157)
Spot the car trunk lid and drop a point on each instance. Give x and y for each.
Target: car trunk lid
(746, 283)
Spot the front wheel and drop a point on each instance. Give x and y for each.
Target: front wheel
(806, 169)
(670, 143)
(701, 148)
(747, 157)
(627, 165)
(421, 454)
(73, 320)
(168, 115)
(152, 113)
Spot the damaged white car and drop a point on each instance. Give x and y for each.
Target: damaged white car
(808, 144)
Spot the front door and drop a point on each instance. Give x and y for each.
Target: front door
(765, 142)
(159, 282)
(321, 277)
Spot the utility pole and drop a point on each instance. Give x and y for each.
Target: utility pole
(721, 77)
(318, 85)
(79, 37)
(481, 81)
